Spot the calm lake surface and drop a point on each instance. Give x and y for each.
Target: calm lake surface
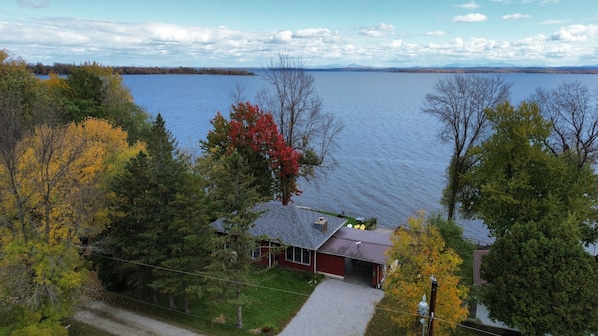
(389, 164)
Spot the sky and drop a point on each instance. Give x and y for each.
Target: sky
(252, 33)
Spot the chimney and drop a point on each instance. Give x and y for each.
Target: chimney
(321, 224)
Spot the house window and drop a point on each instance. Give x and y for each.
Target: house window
(256, 253)
(298, 255)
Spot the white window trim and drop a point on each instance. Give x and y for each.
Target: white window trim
(256, 254)
(286, 256)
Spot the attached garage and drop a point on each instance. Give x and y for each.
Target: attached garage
(350, 250)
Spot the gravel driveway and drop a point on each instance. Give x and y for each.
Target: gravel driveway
(123, 322)
(335, 308)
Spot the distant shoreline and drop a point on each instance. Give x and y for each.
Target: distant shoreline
(593, 70)
(66, 69)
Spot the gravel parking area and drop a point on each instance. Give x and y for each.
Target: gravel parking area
(335, 308)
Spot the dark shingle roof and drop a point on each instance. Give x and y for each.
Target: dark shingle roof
(372, 245)
(291, 224)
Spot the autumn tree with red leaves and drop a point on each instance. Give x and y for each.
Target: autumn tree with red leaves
(254, 134)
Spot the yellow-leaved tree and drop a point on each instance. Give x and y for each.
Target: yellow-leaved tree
(421, 253)
(52, 192)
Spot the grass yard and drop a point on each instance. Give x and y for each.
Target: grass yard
(269, 309)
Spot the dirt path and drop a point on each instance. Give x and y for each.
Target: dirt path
(122, 322)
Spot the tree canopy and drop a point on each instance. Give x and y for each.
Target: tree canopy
(459, 103)
(541, 280)
(52, 196)
(298, 111)
(254, 135)
(573, 111)
(421, 253)
(540, 208)
(235, 195)
(93, 90)
(518, 179)
(158, 218)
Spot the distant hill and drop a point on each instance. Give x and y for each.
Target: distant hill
(590, 69)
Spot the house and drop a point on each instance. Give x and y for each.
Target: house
(317, 243)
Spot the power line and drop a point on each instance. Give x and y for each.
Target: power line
(261, 287)
(201, 275)
(437, 319)
(163, 307)
(467, 327)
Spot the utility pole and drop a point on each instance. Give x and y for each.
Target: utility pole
(432, 305)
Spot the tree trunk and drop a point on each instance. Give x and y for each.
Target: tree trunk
(187, 310)
(452, 188)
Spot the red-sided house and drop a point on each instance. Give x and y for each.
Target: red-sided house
(317, 242)
(353, 249)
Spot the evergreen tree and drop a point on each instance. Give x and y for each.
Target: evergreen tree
(235, 195)
(190, 239)
(159, 220)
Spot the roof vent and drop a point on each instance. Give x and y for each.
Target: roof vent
(321, 224)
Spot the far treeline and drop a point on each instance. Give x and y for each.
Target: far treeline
(67, 69)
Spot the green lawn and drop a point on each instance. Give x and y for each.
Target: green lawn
(269, 308)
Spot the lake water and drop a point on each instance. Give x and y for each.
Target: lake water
(389, 164)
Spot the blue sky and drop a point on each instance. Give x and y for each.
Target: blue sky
(251, 33)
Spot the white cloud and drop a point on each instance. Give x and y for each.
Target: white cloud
(575, 33)
(381, 30)
(34, 3)
(475, 17)
(396, 43)
(436, 33)
(516, 16)
(283, 36)
(470, 6)
(312, 33)
(115, 43)
(554, 22)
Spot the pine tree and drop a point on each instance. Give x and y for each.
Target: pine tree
(235, 195)
(159, 220)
